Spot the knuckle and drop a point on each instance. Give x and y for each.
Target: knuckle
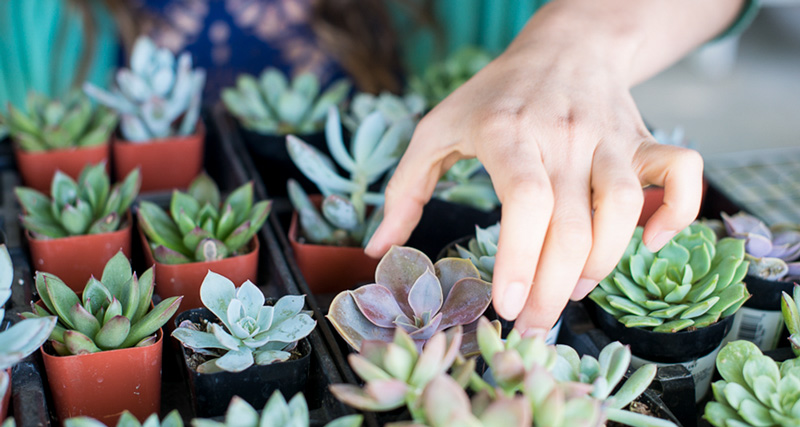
(525, 186)
(623, 193)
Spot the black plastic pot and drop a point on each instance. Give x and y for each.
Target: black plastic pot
(211, 393)
(272, 160)
(443, 222)
(766, 294)
(665, 347)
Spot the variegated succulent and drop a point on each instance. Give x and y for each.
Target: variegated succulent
(157, 97)
(343, 218)
(411, 293)
(173, 419)
(773, 252)
(481, 250)
(754, 390)
(394, 108)
(272, 105)
(466, 183)
(113, 312)
(57, 124)
(250, 333)
(89, 206)
(791, 316)
(276, 413)
(441, 79)
(199, 228)
(693, 281)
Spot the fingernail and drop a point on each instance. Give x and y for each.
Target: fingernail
(582, 289)
(514, 299)
(660, 240)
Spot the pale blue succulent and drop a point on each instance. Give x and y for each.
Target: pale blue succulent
(250, 333)
(127, 419)
(466, 183)
(157, 97)
(393, 107)
(343, 220)
(481, 250)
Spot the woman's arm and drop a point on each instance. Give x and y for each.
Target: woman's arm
(554, 124)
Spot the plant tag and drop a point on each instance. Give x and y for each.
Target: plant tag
(701, 369)
(761, 327)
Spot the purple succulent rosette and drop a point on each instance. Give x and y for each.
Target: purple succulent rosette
(773, 251)
(412, 293)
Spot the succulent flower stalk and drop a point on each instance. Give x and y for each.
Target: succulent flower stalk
(56, 124)
(198, 228)
(412, 294)
(89, 206)
(250, 332)
(692, 282)
(773, 252)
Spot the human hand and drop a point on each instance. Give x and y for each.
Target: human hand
(556, 128)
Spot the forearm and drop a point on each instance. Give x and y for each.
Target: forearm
(637, 38)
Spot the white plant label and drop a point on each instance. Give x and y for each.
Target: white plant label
(761, 327)
(701, 369)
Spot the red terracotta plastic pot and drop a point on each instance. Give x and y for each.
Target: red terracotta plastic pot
(165, 163)
(6, 398)
(185, 279)
(75, 259)
(330, 269)
(102, 385)
(37, 168)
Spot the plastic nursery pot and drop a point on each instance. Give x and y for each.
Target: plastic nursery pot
(6, 398)
(185, 279)
(272, 160)
(760, 320)
(442, 222)
(102, 385)
(77, 258)
(330, 269)
(211, 393)
(37, 168)
(165, 163)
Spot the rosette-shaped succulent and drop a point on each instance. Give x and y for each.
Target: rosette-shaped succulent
(791, 316)
(773, 252)
(693, 281)
(754, 390)
(114, 312)
(440, 79)
(393, 108)
(411, 293)
(198, 227)
(466, 183)
(57, 124)
(251, 332)
(482, 249)
(272, 105)
(173, 419)
(89, 206)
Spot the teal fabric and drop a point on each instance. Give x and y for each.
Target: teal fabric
(41, 47)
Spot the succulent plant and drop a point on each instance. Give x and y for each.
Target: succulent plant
(773, 252)
(251, 332)
(197, 228)
(441, 79)
(412, 294)
(676, 138)
(173, 419)
(791, 316)
(481, 250)
(396, 373)
(55, 124)
(22, 338)
(276, 413)
(466, 184)
(343, 219)
(693, 281)
(89, 206)
(393, 108)
(754, 390)
(157, 97)
(113, 312)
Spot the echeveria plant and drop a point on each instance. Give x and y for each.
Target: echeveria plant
(57, 124)
(343, 219)
(173, 419)
(272, 105)
(89, 206)
(466, 184)
(441, 79)
(276, 413)
(773, 252)
(158, 97)
(481, 250)
(112, 313)
(250, 332)
(754, 390)
(693, 281)
(199, 228)
(791, 316)
(413, 294)
(22, 338)
(393, 108)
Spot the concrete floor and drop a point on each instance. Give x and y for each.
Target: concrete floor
(756, 105)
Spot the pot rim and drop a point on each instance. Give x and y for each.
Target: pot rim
(18, 149)
(48, 356)
(254, 244)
